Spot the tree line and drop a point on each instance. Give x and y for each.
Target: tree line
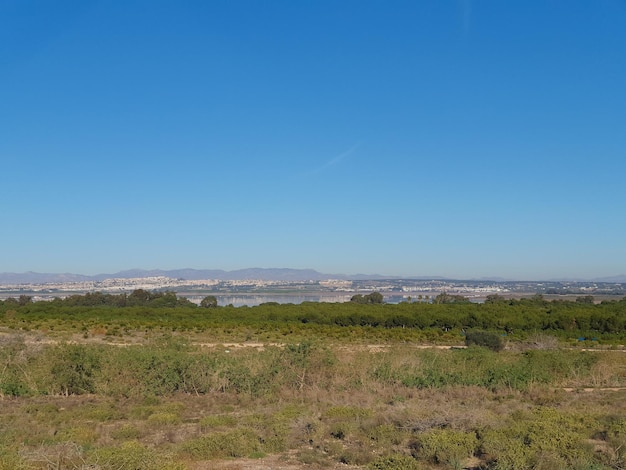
(137, 298)
(580, 318)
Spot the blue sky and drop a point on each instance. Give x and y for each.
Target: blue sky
(455, 138)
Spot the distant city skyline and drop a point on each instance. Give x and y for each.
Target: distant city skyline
(255, 274)
(456, 139)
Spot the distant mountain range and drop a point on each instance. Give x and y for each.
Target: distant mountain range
(620, 279)
(263, 274)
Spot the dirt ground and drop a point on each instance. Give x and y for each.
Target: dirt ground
(273, 462)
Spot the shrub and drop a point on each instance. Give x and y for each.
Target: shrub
(503, 452)
(145, 371)
(484, 338)
(130, 455)
(83, 435)
(542, 436)
(312, 457)
(126, 432)
(238, 443)
(394, 462)
(11, 385)
(446, 446)
(11, 460)
(13, 359)
(73, 369)
(103, 412)
(271, 429)
(386, 434)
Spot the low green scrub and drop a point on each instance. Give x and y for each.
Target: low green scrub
(527, 438)
(484, 368)
(162, 419)
(11, 460)
(492, 341)
(237, 443)
(117, 316)
(168, 403)
(164, 369)
(132, 455)
(449, 447)
(127, 432)
(395, 462)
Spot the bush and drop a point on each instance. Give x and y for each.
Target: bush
(505, 453)
(73, 369)
(147, 371)
(126, 432)
(446, 446)
(394, 462)
(13, 386)
(131, 455)
(486, 339)
(13, 362)
(541, 435)
(236, 444)
(11, 460)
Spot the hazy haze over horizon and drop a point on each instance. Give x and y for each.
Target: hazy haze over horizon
(457, 138)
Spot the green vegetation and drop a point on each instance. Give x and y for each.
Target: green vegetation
(210, 301)
(148, 381)
(373, 298)
(483, 338)
(116, 315)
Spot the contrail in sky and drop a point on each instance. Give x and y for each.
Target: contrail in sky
(335, 160)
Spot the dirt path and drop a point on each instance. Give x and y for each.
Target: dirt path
(271, 462)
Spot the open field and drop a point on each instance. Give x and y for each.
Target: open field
(164, 388)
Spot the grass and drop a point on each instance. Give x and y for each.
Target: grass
(165, 402)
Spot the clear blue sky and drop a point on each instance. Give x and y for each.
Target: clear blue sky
(456, 138)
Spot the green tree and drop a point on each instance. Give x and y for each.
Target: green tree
(25, 300)
(210, 301)
(374, 298)
(139, 297)
(445, 298)
(495, 299)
